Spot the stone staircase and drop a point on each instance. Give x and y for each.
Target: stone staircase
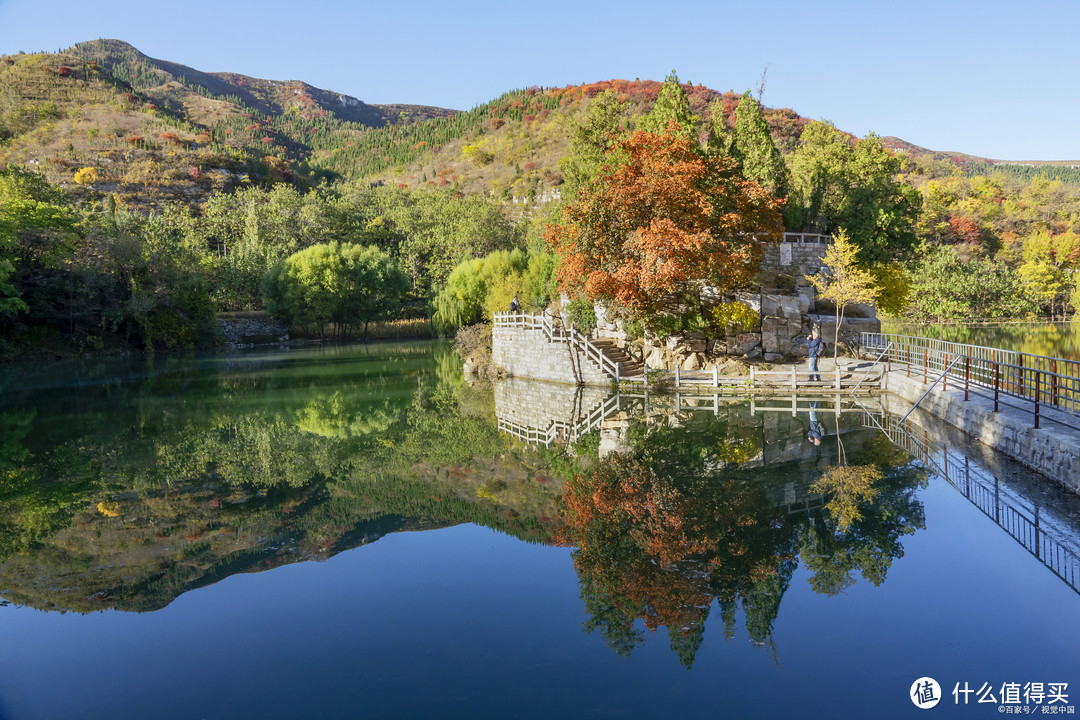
(628, 367)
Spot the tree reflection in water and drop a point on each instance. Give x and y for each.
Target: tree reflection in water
(663, 530)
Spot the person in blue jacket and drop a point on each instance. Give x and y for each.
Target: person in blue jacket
(816, 346)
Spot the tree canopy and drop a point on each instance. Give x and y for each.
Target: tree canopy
(838, 183)
(660, 217)
(342, 284)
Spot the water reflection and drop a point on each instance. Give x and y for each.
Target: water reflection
(697, 511)
(123, 487)
(1051, 339)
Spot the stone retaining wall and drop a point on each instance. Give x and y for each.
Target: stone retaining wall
(803, 258)
(528, 353)
(252, 331)
(539, 404)
(1052, 450)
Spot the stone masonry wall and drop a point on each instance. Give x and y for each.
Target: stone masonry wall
(805, 258)
(527, 353)
(1052, 450)
(538, 404)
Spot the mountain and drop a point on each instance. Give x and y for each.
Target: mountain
(154, 131)
(102, 118)
(269, 97)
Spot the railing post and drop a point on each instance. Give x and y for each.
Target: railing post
(967, 376)
(945, 377)
(1038, 375)
(837, 369)
(997, 384)
(1020, 362)
(715, 376)
(678, 378)
(925, 364)
(1053, 383)
(751, 377)
(794, 386)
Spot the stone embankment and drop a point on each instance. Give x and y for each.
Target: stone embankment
(1052, 450)
(251, 329)
(527, 352)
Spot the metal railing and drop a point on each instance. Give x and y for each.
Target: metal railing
(570, 336)
(1047, 382)
(1055, 546)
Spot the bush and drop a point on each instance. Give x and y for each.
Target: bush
(86, 176)
(582, 315)
(743, 317)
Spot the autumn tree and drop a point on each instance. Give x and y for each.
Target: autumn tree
(844, 282)
(1049, 262)
(659, 218)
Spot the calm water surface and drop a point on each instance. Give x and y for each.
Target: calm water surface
(1051, 339)
(346, 532)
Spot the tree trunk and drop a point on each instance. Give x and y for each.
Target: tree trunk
(836, 331)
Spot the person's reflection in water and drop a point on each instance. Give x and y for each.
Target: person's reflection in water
(816, 429)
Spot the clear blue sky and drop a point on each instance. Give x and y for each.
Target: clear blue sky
(989, 78)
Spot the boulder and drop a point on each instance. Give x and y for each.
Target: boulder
(773, 357)
(656, 359)
(753, 354)
(695, 342)
(742, 343)
(692, 362)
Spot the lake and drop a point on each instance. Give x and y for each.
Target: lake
(1051, 339)
(355, 531)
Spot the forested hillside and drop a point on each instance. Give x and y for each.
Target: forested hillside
(138, 197)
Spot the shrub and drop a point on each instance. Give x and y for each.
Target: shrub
(582, 315)
(743, 317)
(86, 176)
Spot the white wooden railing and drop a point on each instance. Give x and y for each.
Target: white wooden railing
(570, 336)
(571, 431)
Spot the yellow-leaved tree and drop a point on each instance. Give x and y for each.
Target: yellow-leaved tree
(843, 283)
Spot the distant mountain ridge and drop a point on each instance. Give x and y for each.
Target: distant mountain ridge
(268, 96)
(155, 131)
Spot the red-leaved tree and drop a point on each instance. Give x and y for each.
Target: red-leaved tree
(658, 217)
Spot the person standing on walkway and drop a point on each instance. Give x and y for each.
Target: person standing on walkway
(515, 306)
(816, 346)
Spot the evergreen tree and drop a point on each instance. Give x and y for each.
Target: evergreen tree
(752, 145)
(600, 131)
(671, 104)
(720, 136)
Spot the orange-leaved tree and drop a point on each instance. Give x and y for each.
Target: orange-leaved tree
(659, 217)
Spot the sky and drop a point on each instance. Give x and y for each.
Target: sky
(983, 77)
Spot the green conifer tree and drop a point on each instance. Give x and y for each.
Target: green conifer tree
(671, 104)
(720, 136)
(752, 145)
